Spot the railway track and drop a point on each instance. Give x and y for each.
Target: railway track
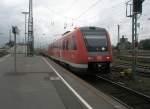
(126, 96)
(139, 66)
(142, 70)
(129, 97)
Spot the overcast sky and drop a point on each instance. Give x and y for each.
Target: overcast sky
(50, 17)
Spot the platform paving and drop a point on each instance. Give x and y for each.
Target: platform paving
(36, 86)
(30, 87)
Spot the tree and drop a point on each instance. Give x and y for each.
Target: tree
(144, 44)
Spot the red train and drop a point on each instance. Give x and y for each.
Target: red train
(84, 49)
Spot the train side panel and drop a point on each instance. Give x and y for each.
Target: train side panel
(72, 50)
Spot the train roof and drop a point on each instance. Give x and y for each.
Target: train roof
(92, 28)
(86, 29)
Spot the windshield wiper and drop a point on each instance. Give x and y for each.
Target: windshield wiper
(86, 42)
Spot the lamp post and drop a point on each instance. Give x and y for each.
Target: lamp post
(25, 13)
(15, 31)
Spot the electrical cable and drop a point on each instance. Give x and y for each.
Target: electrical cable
(88, 9)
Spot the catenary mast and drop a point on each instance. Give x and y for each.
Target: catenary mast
(30, 45)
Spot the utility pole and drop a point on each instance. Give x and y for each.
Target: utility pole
(25, 13)
(135, 10)
(30, 45)
(118, 33)
(15, 58)
(134, 43)
(10, 36)
(118, 45)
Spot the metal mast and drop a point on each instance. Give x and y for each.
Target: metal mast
(30, 45)
(25, 13)
(135, 8)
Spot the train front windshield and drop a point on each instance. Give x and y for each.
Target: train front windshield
(96, 43)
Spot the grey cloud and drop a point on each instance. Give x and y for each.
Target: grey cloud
(106, 13)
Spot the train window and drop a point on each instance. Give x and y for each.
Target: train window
(73, 43)
(59, 47)
(67, 43)
(63, 45)
(55, 45)
(96, 43)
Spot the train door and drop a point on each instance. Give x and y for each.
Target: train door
(73, 48)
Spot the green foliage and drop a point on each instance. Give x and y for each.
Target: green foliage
(127, 73)
(145, 44)
(124, 45)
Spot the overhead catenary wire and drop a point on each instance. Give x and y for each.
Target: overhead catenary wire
(84, 12)
(92, 6)
(71, 6)
(87, 10)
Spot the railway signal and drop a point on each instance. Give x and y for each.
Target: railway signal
(135, 8)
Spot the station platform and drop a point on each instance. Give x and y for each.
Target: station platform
(39, 83)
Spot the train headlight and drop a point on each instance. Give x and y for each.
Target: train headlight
(99, 65)
(90, 58)
(103, 48)
(107, 57)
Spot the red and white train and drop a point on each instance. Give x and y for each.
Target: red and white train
(83, 49)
